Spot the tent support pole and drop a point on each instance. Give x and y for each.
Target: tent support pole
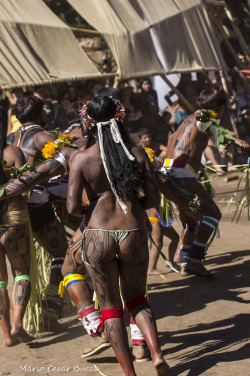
(180, 95)
(225, 88)
(219, 30)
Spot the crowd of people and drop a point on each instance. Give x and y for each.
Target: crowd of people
(125, 163)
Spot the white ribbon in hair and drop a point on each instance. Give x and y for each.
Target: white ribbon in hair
(118, 140)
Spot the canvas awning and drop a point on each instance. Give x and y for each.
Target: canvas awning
(184, 33)
(37, 47)
(185, 37)
(126, 34)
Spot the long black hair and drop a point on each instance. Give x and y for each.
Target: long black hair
(3, 179)
(124, 173)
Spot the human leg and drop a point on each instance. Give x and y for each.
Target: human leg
(133, 262)
(81, 293)
(17, 246)
(100, 252)
(157, 236)
(211, 153)
(52, 237)
(174, 237)
(4, 301)
(211, 216)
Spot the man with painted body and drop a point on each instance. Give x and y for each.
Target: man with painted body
(184, 152)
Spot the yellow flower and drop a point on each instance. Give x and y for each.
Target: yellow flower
(49, 150)
(151, 154)
(65, 137)
(212, 114)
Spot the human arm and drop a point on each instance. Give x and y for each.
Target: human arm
(75, 186)
(29, 179)
(168, 96)
(170, 190)
(151, 196)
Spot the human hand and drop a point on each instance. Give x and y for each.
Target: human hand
(243, 144)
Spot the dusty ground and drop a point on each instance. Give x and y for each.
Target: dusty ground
(203, 326)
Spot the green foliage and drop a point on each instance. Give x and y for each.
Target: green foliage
(204, 179)
(15, 172)
(221, 137)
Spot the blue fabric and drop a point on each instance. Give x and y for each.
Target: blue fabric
(180, 116)
(184, 254)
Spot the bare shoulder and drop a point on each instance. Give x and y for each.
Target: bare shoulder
(86, 155)
(13, 155)
(43, 137)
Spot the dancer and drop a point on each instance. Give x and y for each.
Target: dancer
(184, 152)
(115, 237)
(15, 244)
(47, 230)
(160, 229)
(59, 164)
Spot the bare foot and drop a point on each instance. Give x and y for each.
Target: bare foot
(141, 353)
(97, 344)
(155, 272)
(21, 335)
(162, 369)
(161, 366)
(10, 341)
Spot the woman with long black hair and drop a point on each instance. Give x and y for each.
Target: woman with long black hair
(15, 244)
(113, 172)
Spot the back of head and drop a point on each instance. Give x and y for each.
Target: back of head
(211, 99)
(73, 112)
(101, 108)
(104, 116)
(28, 109)
(108, 92)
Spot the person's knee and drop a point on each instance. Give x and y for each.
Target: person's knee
(216, 213)
(136, 305)
(213, 212)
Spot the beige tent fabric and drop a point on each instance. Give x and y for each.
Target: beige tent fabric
(126, 34)
(183, 30)
(37, 47)
(184, 33)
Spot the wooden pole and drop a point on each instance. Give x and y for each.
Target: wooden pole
(223, 36)
(116, 82)
(238, 33)
(177, 92)
(86, 31)
(225, 88)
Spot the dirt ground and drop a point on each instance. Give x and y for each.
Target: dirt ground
(203, 325)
